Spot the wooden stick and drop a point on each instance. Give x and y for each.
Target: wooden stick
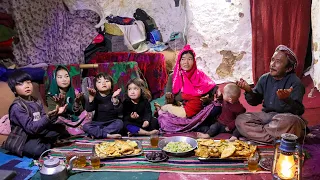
(88, 66)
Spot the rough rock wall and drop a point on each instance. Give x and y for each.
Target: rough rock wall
(218, 30)
(315, 23)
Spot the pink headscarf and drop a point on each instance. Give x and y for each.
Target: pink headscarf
(193, 82)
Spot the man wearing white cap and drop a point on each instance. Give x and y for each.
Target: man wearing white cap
(281, 92)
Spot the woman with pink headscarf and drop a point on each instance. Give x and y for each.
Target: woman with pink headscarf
(189, 91)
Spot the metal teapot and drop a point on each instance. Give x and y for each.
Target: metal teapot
(53, 170)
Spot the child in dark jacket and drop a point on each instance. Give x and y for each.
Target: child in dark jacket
(137, 113)
(32, 130)
(106, 122)
(231, 108)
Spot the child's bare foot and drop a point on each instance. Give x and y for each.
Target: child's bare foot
(202, 135)
(115, 136)
(153, 132)
(129, 134)
(233, 138)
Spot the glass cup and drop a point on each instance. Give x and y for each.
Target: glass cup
(253, 162)
(69, 156)
(81, 161)
(95, 162)
(154, 139)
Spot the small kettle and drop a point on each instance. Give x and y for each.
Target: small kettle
(53, 170)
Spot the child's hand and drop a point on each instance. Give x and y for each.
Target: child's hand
(52, 113)
(134, 115)
(145, 124)
(227, 129)
(92, 92)
(58, 110)
(61, 109)
(116, 93)
(284, 93)
(78, 96)
(60, 100)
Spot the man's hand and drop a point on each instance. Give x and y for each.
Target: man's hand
(92, 93)
(169, 98)
(60, 100)
(243, 85)
(145, 124)
(134, 115)
(284, 93)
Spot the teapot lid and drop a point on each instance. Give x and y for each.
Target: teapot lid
(54, 162)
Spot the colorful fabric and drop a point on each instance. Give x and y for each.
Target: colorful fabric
(152, 66)
(188, 165)
(193, 82)
(171, 123)
(121, 73)
(51, 35)
(192, 104)
(52, 88)
(76, 127)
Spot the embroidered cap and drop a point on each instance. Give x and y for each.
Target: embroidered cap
(290, 54)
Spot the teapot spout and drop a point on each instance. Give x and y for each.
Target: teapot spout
(70, 165)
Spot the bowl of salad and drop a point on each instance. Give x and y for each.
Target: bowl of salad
(178, 145)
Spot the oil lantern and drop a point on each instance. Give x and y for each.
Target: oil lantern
(287, 158)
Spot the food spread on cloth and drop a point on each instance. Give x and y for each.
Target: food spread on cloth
(118, 148)
(178, 147)
(209, 148)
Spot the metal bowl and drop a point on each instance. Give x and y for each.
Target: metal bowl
(166, 157)
(188, 140)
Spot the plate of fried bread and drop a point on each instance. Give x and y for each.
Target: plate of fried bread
(209, 149)
(118, 149)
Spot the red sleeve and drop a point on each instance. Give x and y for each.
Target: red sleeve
(236, 109)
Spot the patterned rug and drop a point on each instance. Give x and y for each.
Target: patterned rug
(187, 165)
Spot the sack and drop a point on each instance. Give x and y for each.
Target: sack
(15, 141)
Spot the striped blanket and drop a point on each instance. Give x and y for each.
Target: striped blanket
(188, 165)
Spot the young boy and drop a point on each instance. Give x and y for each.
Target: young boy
(32, 130)
(231, 108)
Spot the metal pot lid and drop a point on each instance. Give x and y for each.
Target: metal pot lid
(54, 162)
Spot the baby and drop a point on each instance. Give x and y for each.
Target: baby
(231, 108)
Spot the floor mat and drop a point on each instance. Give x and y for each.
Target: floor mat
(186, 165)
(20, 165)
